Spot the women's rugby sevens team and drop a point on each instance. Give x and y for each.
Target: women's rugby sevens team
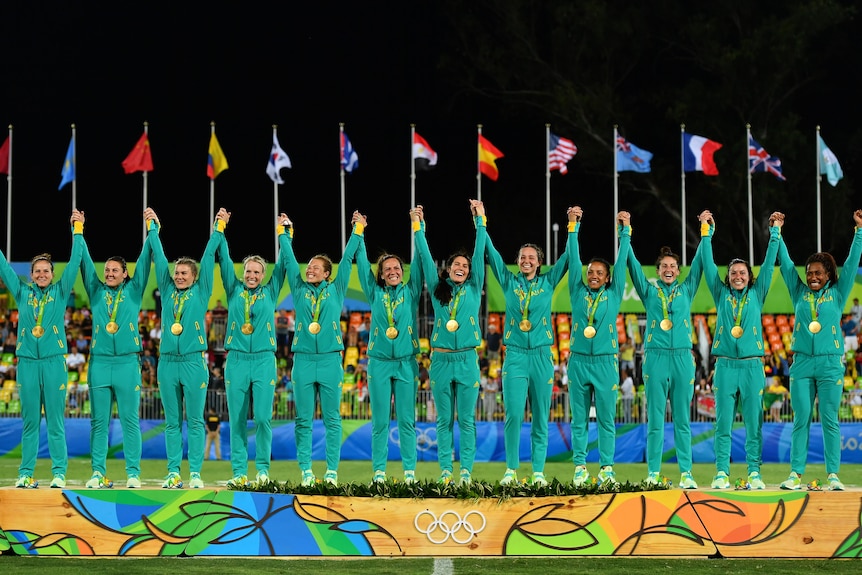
(593, 364)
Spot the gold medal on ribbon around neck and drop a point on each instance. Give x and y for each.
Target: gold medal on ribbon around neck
(452, 325)
(391, 332)
(247, 329)
(314, 328)
(176, 328)
(814, 326)
(589, 332)
(736, 331)
(666, 324)
(38, 331)
(525, 325)
(112, 327)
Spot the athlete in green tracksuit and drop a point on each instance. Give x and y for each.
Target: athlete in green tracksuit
(249, 369)
(528, 368)
(115, 364)
(317, 349)
(42, 372)
(817, 372)
(738, 348)
(456, 299)
(183, 373)
(668, 363)
(594, 366)
(393, 345)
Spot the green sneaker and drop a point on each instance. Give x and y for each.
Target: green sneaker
(686, 481)
(607, 476)
(538, 479)
(308, 478)
(99, 481)
(466, 477)
(510, 477)
(195, 481)
(26, 482)
(653, 478)
(330, 477)
(582, 476)
(59, 481)
(755, 480)
(173, 481)
(720, 481)
(409, 476)
(238, 481)
(379, 477)
(792, 483)
(445, 477)
(134, 482)
(834, 483)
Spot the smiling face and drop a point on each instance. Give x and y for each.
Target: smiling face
(316, 271)
(391, 271)
(252, 274)
(459, 270)
(597, 275)
(115, 273)
(668, 270)
(42, 273)
(184, 276)
(738, 276)
(816, 275)
(529, 261)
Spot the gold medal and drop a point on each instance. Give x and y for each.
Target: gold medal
(525, 325)
(314, 328)
(112, 327)
(589, 332)
(666, 324)
(247, 328)
(176, 328)
(452, 325)
(38, 331)
(814, 326)
(736, 331)
(391, 332)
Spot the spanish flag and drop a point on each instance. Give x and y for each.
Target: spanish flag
(488, 155)
(216, 162)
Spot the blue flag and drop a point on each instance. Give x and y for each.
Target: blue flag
(630, 158)
(829, 163)
(68, 173)
(349, 157)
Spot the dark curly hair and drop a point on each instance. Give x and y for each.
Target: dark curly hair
(443, 291)
(828, 263)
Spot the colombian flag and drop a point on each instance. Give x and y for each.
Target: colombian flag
(216, 162)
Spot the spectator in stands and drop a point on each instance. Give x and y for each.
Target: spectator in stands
(669, 366)
(183, 374)
(854, 396)
(774, 397)
(41, 373)
(213, 436)
(216, 389)
(392, 349)
(594, 371)
(282, 330)
(627, 396)
(738, 347)
(850, 329)
(493, 342)
(115, 364)
(250, 366)
(148, 365)
(219, 324)
(528, 365)
(490, 388)
(76, 360)
(818, 303)
(856, 311)
(456, 296)
(318, 347)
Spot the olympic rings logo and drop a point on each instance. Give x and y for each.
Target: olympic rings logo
(438, 530)
(426, 437)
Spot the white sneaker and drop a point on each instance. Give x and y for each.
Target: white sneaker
(379, 477)
(792, 483)
(26, 482)
(755, 481)
(330, 477)
(238, 481)
(99, 481)
(539, 479)
(173, 481)
(582, 476)
(834, 483)
(59, 482)
(261, 479)
(134, 482)
(409, 476)
(653, 478)
(308, 478)
(686, 481)
(195, 481)
(720, 481)
(510, 477)
(607, 476)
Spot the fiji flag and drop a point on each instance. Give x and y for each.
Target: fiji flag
(759, 160)
(630, 158)
(349, 157)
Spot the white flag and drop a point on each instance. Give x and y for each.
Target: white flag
(277, 160)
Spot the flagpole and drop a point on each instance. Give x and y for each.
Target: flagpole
(147, 132)
(212, 188)
(547, 190)
(750, 214)
(819, 179)
(412, 184)
(616, 186)
(682, 187)
(478, 169)
(343, 209)
(275, 191)
(75, 167)
(9, 201)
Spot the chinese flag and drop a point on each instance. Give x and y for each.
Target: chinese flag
(139, 159)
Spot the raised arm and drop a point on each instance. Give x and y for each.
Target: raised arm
(573, 250)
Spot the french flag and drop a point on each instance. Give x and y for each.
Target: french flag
(697, 154)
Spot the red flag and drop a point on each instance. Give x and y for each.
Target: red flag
(4, 157)
(488, 156)
(139, 159)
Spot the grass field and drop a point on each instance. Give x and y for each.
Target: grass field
(216, 473)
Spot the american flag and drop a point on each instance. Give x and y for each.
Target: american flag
(759, 160)
(560, 151)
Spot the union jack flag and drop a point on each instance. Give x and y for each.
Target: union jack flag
(759, 160)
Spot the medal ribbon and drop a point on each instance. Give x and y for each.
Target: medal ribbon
(179, 305)
(454, 304)
(114, 305)
(249, 302)
(665, 301)
(390, 307)
(41, 309)
(815, 308)
(316, 300)
(593, 306)
(737, 315)
(525, 300)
